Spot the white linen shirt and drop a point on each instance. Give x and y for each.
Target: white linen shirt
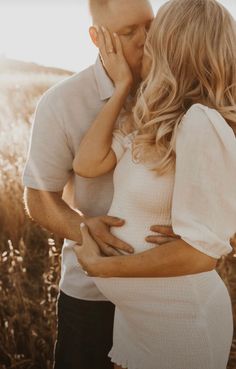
(62, 117)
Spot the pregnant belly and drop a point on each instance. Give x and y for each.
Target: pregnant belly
(187, 288)
(133, 235)
(137, 225)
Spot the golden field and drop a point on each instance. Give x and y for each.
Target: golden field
(29, 255)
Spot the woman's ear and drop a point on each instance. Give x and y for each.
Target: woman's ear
(94, 35)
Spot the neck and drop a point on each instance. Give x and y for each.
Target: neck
(134, 89)
(136, 84)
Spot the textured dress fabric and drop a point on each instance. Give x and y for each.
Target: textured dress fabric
(182, 322)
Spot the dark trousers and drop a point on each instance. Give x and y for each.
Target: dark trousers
(84, 335)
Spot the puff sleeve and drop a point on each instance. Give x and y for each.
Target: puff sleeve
(204, 197)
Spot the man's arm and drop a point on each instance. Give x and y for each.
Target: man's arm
(52, 212)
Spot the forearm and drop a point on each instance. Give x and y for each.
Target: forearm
(53, 214)
(99, 136)
(172, 259)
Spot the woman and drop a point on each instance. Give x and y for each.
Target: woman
(175, 159)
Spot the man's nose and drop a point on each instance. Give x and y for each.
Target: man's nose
(142, 36)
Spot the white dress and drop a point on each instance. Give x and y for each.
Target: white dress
(182, 322)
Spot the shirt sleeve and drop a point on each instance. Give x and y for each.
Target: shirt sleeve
(118, 144)
(204, 197)
(49, 162)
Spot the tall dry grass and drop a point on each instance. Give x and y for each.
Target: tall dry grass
(30, 256)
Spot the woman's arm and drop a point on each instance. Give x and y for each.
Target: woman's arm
(172, 259)
(95, 156)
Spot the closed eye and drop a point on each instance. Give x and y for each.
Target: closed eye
(130, 33)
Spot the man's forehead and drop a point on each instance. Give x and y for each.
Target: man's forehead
(125, 13)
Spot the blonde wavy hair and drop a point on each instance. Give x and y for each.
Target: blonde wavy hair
(192, 51)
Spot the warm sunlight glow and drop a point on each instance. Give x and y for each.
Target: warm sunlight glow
(52, 32)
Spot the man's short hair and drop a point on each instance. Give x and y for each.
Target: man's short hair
(96, 7)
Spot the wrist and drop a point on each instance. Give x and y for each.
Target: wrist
(123, 88)
(92, 266)
(105, 267)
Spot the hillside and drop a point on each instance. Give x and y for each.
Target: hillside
(15, 66)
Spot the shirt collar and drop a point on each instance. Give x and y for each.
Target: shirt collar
(105, 85)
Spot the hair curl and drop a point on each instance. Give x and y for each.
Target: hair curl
(192, 50)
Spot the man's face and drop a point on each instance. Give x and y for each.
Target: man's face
(130, 19)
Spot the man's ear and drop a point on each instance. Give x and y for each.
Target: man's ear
(94, 35)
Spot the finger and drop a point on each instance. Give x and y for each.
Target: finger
(165, 230)
(113, 221)
(77, 250)
(159, 239)
(118, 244)
(119, 49)
(101, 44)
(105, 248)
(84, 231)
(108, 41)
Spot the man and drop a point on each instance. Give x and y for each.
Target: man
(53, 193)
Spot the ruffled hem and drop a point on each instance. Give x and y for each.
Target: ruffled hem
(118, 360)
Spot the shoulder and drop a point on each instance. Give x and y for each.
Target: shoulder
(75, 86)
(202, 122)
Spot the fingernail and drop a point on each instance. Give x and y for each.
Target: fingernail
(119, 220)
(82, 225)
(104, 29)
(114, 34)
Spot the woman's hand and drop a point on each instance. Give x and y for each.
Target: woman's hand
(114, 60)
(165, 235)
(88, 253)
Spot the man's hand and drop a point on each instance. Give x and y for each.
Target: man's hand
(88, 252)
(165, 235)
(99, 229)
